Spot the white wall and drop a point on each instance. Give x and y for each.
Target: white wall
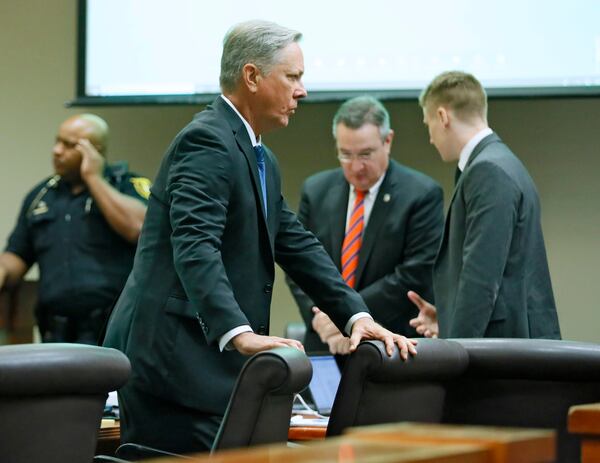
(558, 140)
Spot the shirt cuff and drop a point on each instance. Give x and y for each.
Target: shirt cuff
(224, 341)
(356, 316)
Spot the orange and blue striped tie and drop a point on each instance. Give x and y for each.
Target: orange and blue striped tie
(353, 240)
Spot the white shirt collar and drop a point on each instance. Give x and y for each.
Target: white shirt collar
(369, 201)
(251, 133)
(467, 150)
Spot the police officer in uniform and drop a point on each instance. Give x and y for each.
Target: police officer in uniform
(81, 226)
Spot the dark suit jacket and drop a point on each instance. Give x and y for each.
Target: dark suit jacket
(491, 275)
(204, 264)
(399, 243)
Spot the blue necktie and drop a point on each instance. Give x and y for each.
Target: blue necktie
(260, 161)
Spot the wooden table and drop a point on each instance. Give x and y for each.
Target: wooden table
(503, 445)
(109, 436)
(585, 420)
(307, 432)
(402, 442)
(346, 450)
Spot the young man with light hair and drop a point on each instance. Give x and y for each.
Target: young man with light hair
(490, 276)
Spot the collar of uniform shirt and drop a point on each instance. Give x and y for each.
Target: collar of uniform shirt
(369, 200)
(467, 150)
(251, 133)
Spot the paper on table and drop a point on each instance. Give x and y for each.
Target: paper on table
(299, 420)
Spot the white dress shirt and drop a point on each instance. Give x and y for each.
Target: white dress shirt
(369, 201)
(225, 340)
(467, 150)
(370, 197)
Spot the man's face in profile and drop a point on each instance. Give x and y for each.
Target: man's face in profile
(278, 91)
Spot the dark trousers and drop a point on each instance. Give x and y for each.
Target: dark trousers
(81, 328)
(164, 425)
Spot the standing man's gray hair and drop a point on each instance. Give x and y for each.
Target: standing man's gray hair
(362, 110)
(257, 42)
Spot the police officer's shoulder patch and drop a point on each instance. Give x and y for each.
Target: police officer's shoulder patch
(142, 186)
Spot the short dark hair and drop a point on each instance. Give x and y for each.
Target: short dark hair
(362, 110)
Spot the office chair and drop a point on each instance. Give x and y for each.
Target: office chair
(525, 383)
(495, 382)
(52, 397)
(260, 406)
(376, 389)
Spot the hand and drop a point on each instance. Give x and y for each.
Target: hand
(250, 343)
(329, 333)
(366, 328)
(339, 344)
(426, 322)
(3, 274)
(92, 162)
(323, 325)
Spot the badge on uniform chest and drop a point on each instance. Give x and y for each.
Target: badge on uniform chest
(40, 208)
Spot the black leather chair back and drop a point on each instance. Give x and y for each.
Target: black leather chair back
(378, 389)
(260, 407)
(51, 400)
(525, 383)
(499, 382)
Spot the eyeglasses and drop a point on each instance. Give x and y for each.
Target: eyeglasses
(361, 157)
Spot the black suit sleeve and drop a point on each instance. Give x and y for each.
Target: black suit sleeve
(305, 260)
(387, 296)
(198, 192)
(304, 302)
(492, 200)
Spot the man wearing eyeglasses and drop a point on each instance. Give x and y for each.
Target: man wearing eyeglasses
(381, 223)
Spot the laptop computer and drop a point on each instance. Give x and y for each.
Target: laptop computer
(324, 383)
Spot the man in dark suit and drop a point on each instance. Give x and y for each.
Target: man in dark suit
(491, 276)
(197, 300)
(403, 223)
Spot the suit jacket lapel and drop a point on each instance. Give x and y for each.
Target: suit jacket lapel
(447, 221)
(491, 138)
(272, 194)
(376, 219)
(339, 208)
(243, 141)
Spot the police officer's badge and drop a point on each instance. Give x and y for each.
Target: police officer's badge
(142, 186)
(40, 208)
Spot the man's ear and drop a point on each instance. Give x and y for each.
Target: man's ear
(250, 77)
(389, 138)
(443, 116)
